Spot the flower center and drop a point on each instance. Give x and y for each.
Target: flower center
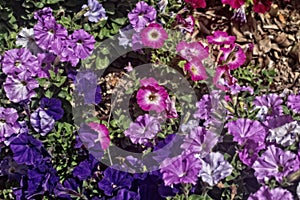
(51, 31)
(2, 121)
(280, 168)
(79, 42)
(17, 63)
(152, 97)
(154, 35)
(24, 83)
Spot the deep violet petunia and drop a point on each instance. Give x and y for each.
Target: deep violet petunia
(16, 61)
(246, 129)
(196, 70)
(269, 105)
(86, 168)
(180, 169)
(220, 38)
(26, 149)
(214, 168)
(275, 162)
(11, 169)
(154, 36)
(141, 15)
(95, 11)
(197, 3)
(233, 57)
(125, 194)
(143, 129)
(261, 6)
(265, 193)
(52, 107)
(114, 180)
(41, 122)
(8, 122)
(192, 51)
(21, 87)
(234, 3)
(293, 102)
(82, 43)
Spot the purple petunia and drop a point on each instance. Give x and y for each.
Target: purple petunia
(141, 15)
(204, 107)
(41, 122)
(293, 102)
(8, 123)
(45, 13)
(114, 180)
(143, 129)
(95, 11)
(269, 105)
(214, 168)
(26, 149)
(14, 171)
(180, 169)
(52, 107)
(20, 87)
(82, 43)
(16, 61)
(186, 24)
(264, 193)
(45, 62)
(86, 168)
(249, 154)
(275, 162)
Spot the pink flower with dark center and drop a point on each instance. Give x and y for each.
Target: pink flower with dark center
(196, 70)
(151, 98)
(103, 134)
(223, 79)
(234, 3)
(154, 36)
(220, 38)
(197, 3)
(193, 50)
(234, 57)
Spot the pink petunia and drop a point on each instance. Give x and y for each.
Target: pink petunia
(154, 36)
(220, 38)
(186, 24)
(261, 6)
(196, 3)
(234, 3)
(103, 134)
(192, 51)
(234, 57)
(223, 79)
(196, 70)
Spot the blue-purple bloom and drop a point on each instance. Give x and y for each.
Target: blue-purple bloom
(143, 129)
(214, 168)
(95, 11)
(8, 123)
(141, 15)
(52, 107)
(114, 180)
(41, 122)
(264, 193)
(14, 171)
(86, 168)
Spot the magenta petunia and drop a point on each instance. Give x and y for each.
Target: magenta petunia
(8, 123)
(220, 38)
(103, 134)
(180, 169)
(185, 24)
(261, 6)
(20, 87)
(234, 3)
(246, 129)
(82, 43)
(19, 60)
(234, 57)
(154, 36)
(197, 3)
(223, 79)
(151, 96)
(264, 193)
(192, 51)
(196, 70)
(275, 162)
(293, 102)
(47, 32)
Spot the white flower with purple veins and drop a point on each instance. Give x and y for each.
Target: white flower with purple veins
(214, 168)
(25, 38)
(95, 12)
(285, 135)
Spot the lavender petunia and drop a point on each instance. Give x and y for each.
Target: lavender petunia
(45, 13)
(275, 162)
(214, 168)
(264, 193)
(20, 87)
(269, 105)
(52, 107)
(249, 154)
(293, 102)
(8, 123)
(41, 122)
(45, 62)
(143, 129)
(95, 11)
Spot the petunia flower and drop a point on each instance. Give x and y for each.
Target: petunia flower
(45, 62)
(275, 162)
(141, 15)
(220, 38)
(249, 154)
(261, 6)
(25, 38)
(269, 105)
(154, 36)
(214, 168)
(125, 36)
(264, 193)
(8, 123)
(151, 96)
(234, 3)
(204, 107)
(240, 16)
(197, 3)
(86, 168)
(223, 78)
(41, 122)
(143, 129)
(293, 102)
(114, 180)
(52, 107)
(171, 111)
(82, 43)
(233, 57)
(196, 70)
(125, 194)
(192, 51)
(180, 169)
(20, 87)
(45, 13)
(185, 24)
(11, 169)
(95, 12)
(16, 61)
(103, 134)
